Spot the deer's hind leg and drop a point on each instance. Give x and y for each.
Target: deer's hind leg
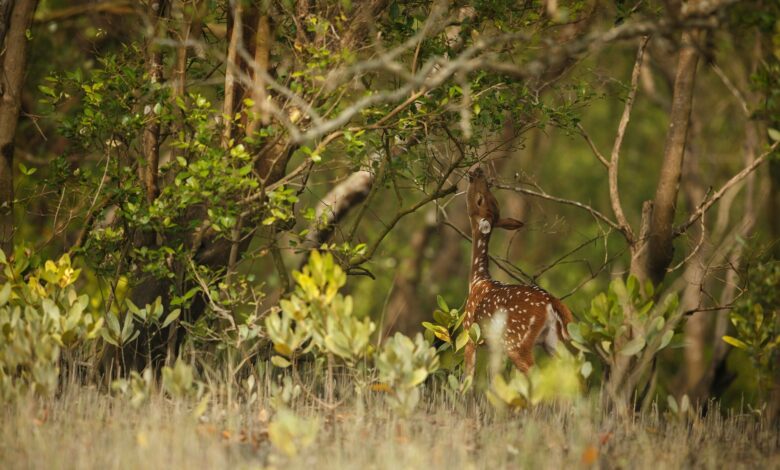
(522, 353)
(522, 356)
(470, 354)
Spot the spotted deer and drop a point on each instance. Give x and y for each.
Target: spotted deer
(533, 316)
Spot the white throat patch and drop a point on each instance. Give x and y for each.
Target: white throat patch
(484, 226)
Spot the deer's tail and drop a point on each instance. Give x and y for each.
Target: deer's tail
(564, 317)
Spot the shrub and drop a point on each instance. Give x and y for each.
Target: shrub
(40, 318)
(289, 433)
(756, 320)
(403, 364)
(552, 380)
(624, 329)
(318, 318)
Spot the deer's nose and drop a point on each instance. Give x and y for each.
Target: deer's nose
(475, 173)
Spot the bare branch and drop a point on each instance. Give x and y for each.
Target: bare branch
(337, 203)
(561, 200)
(695, 249)
(439, 69)
(119, 7)
(593, 42)
(719, 194)
(592, 146)
(733, 89)
(614, 192)
(440, 193)
(582, 245)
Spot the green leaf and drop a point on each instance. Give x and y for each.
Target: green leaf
(633, 347)
(475, 333)
(672, 403)
(574, 332)
(127, 329)
(133, 308)
(113, 323)
(107, 338)
(438, 330)
(441, 318)
(667, 338)
(735, 342)
(774, 134)
(442, 304)
(279, 361)
(5, 294)
(461, 340)
(418, 376)
(47, 90)
(586, 369)
(26, 171)
(171, 317)
(51, 309)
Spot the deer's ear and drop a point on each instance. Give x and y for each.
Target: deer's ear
(509, 224)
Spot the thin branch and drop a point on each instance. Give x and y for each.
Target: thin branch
(707, 309)
(680, 229)
(695, 249)
(608, 261)
(440, 193)
(592, 146)
(438, 69)
(614, 192)
(121, 7)
(561, 200)
(555, 262)
(733, 89)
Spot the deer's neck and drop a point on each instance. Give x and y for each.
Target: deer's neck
(480, 268)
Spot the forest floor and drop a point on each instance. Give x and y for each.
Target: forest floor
(84, 429)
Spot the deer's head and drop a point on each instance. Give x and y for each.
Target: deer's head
(483, 206)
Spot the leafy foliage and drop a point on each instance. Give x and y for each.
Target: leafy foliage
(403, 365)
(289, 433)
(756, 319)
(318, 318)
(41, 315)
(623, 321)
(447, 327)
(624, 329)
(557, 379)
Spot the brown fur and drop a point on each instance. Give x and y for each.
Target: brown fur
(531, 312)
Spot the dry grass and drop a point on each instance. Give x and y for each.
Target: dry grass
(84, 429)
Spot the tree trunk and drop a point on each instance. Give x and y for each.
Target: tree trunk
(696, 326)
(336, 205)
(654, 254)
(404, 311)
(14, 60)
(208, 249)
(151, 137)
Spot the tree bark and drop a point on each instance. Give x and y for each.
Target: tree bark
(337, 204)
(655, 253)
(207, 248)
(151, 138)
(404, 311)
(696, 326)
(14, 65)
